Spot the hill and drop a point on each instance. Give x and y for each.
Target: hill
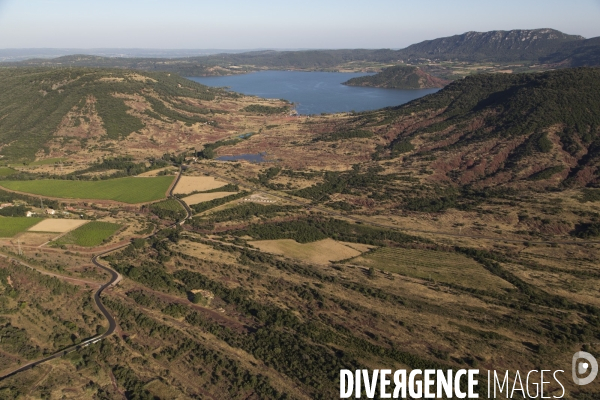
(222, 64)
(49, 113)
(37, 101)
(399, 77)
(575, 54)
(494, 129)
(495, 46)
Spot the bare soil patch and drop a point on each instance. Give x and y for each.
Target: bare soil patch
(57, 225)
(202, 197)
(320, 252)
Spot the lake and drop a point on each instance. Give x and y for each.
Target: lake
(314, 92)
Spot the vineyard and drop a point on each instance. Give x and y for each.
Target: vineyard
(438, 266)
(89, 235)
(10, 226)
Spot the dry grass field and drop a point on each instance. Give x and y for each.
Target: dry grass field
(320, 252)
(35, 238)
(57, 225)
(202, 197)
(200, 250)
(189, 184)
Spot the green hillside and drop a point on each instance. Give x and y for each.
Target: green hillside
(577, 54)
(522, 103)
(534, 122)
(35, 100)
(399, 77)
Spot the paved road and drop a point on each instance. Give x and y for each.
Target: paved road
(115, 278)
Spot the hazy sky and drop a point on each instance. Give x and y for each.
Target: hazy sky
(234, 24)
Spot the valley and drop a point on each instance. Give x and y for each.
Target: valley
(460, 230)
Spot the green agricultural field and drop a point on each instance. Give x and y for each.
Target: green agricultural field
(438, 266)
(10, 226)
(5, 171)
(89, 235)
(127, 190)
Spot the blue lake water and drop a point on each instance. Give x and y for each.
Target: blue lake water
(255, 158)
(314, 92)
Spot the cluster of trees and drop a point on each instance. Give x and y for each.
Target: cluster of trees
(185, 106)
(115, 118)
(438, 198)
(547, 173)
(208, 152)
(17, 341)
(168, 209)
(401, 146)
(588, 230)
(314, 228)
(260, 109)
(207, 205)
(249, 210)
(353, 182)
(126, 164)
(230, 187)
(590, 195)
(16, 211)
(160, 109)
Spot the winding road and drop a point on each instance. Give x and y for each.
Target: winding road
(112, 324)
(115, 278)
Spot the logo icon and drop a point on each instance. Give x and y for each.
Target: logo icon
(584, 363)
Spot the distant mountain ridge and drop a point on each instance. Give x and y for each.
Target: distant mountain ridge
(546, 46)
(514, 45)
(399, 77)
